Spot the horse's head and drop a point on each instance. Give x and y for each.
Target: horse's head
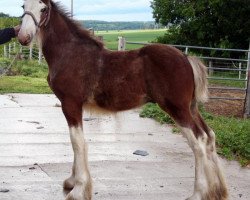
(36, 14)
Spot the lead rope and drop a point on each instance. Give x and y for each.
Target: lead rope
(10, 65)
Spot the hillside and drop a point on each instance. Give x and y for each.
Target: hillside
(104, 25)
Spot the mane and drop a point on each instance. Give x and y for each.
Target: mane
(75, 27)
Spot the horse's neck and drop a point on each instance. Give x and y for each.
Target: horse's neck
(55, 37)
(56, 32)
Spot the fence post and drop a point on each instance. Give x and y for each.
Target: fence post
(247, 100)
(40, 56)
(100, 37)
(9, 49)
(5, 51)
(21, 50)
(210, 66)
(186, 50)
(121, 43)
(30, 53)
(240, 70)
(14, 47)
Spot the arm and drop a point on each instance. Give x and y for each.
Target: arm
(8, 33)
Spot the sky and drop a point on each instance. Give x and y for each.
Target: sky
(106, 10)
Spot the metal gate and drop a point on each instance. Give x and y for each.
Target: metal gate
(227, 75)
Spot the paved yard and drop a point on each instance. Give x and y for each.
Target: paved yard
(36, 155)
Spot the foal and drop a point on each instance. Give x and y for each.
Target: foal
(82, 73)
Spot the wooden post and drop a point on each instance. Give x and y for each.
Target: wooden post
(247, 100)
(100, 37)
(91, 30)
(210, 71)
(72, 8)
(121, 43)
(186, 50)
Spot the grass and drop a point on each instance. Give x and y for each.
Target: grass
(233, 135)
(228, 83)
(111, 37)
(23, 84)
(26, 77)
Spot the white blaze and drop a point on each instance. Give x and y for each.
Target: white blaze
(28, 26)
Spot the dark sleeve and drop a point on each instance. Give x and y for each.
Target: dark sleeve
(6, 35)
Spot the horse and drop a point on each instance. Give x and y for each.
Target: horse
(83, 74)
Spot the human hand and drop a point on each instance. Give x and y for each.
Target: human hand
(17, 29)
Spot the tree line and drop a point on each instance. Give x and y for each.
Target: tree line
(213, 23)
(105, 26)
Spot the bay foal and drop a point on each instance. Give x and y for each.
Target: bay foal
(82, 73)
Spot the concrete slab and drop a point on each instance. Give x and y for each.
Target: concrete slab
(36, 155)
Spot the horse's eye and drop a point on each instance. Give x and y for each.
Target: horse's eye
(22, 6)
(43, 10)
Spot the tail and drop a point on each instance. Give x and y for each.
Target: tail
(200, 79)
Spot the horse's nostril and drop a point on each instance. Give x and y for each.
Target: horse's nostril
(24, 39)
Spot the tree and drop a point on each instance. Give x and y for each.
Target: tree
(4, 15)
(214, 23)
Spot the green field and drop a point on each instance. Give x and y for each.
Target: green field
(111, 37)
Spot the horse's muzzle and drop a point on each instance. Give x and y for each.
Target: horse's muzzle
(24, 40)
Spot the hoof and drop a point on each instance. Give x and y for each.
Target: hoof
(69, 183)
(80, 192)
(71, 196)
(215, 194)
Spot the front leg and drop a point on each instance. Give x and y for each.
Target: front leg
(80, 180)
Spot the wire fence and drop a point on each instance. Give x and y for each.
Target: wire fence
(12, 50)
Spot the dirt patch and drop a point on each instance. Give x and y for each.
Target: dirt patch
(227, 108)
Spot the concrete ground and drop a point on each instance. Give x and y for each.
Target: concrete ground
(36, 155)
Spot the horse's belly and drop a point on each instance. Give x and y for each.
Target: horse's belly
(109, 102)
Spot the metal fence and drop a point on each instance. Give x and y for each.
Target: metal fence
(228, 77)
(15, 50)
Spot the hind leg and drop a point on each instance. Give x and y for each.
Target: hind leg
(208, 176)
(218, 184)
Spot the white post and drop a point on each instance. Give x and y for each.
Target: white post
(247, 100)
(30, 52)
(9, 50)
(40, 56)
(121, 43)
(5, 51)
(21, 50)
(72, 8)
(210, 71)
(186, 50)
(14, 47)
(239, 70)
